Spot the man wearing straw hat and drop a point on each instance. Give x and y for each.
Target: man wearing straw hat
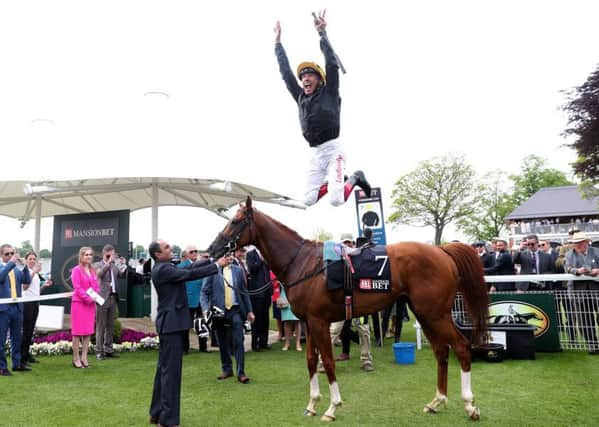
(583, 259)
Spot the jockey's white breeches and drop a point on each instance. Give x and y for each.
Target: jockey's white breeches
(327, 163)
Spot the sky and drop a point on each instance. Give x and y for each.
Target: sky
(482, 78)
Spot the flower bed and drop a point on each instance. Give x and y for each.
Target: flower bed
(61, 343)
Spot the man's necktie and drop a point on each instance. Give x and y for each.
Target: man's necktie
(13, 284)
(228, 276)
(534, 262)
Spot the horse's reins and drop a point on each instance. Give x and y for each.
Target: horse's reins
(232, 243)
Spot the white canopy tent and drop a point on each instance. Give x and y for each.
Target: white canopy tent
(33, 200)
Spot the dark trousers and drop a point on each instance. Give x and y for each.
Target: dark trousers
(105, 316)
(166, 395)
(347, 336)
(11, 319)
(230, 333)
(401, 311)
(30, 312)
(260, 305)
(202, 342)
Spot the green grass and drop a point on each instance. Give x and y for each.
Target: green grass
(556, 389)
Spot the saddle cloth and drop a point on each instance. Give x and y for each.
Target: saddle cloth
(372, 271)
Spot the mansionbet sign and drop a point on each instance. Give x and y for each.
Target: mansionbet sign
(90, 232)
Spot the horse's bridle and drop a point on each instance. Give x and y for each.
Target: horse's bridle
(231, 245)
(231, 242)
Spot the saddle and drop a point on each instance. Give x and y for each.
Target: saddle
(365, 271)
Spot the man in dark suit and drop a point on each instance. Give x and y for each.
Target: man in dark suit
(223, 291)
(108, 270)
(11, 315)
(172, 322)
(259, 276)
(503, 266)
(533, 261)
(487, 259)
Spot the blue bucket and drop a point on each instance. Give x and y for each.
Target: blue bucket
(405, 352)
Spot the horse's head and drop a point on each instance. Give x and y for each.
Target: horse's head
(237, 232)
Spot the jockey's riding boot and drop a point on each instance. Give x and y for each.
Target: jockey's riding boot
(357, 178)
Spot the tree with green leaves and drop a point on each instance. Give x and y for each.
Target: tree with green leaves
(438, 192)
(535, 175)
(322, 235)
(582, 109)
(25, 248)
(45, 253)
(138, 250)
(491, 205)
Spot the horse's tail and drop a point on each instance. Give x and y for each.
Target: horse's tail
(472, 286)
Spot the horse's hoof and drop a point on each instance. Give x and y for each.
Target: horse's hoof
(309, 413)
(475, 414)
(428, 410)
(327, 418)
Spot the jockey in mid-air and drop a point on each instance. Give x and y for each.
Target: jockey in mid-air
(319, 109)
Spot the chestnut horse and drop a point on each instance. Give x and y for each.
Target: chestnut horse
(428, 276)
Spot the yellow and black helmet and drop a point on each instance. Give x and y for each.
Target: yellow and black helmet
(311, 67)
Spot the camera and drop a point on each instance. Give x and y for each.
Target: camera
(202, 327)
(247, 327)
(216, 312)
(231, 246)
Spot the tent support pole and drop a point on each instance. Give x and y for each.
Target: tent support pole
(154, 296)
(38, 225)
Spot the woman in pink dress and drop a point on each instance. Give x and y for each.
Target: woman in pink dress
(83, 307)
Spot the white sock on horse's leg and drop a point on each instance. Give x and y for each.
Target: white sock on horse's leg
(335, 400)
(314, 396)
(433, 406)
(468, 397)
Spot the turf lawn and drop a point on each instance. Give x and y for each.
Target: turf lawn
(556, 389)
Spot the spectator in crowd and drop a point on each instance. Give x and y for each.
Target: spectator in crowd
(363, 332)
(183, 257)
(290, 323)
(223, 290)
(172, 323)
(83, 306)
(487, 259)
(108, 270)
(11, 315)
(544, 246)
(362, 327)
(534, 261)
(567, 302)
(31, 308)
(503, 266)
(398, 313)
(583, 259)
(140, 266)
(276, 311)
(259, 275)
(193, 289)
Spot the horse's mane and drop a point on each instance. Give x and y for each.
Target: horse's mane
(291, 230)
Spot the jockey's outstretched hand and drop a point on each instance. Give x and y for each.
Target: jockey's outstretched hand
(277, 30)
(319, 22)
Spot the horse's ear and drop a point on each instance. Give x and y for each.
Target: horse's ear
(248, 203)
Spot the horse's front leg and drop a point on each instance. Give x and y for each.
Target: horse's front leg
(319, 332)
(312, 359)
